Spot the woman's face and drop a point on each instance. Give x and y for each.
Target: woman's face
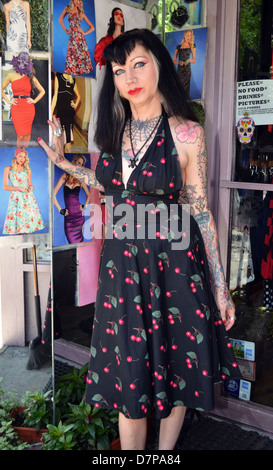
(118, 17)
(20, 158)
(137, 79)
(77, 3)
(79, 161)
(188, 36)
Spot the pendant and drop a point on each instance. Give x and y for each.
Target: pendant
(133, 162)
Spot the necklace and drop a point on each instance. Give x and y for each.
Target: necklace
(134, 159)
(68, 81)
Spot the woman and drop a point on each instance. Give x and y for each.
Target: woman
(23, 214)
(159, 340)
(66, 99)
(115, 28)
(23, 82)
(73, 212)
(18, 27)
(78, 60)
(184, 51)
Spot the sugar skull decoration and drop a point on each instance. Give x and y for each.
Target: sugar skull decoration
(245, 129)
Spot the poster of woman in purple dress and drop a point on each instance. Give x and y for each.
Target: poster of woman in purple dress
(71, 201)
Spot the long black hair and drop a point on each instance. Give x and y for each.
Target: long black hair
(112, 25)
(113, 110)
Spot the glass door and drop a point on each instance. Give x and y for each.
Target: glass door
(250, 258)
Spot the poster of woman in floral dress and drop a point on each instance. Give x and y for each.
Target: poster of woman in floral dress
(78, 59)
(23, 214)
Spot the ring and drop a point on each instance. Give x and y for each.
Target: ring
(53, 147)
(232, 318)
(58, 132)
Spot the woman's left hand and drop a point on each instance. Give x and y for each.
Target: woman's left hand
(226, 306)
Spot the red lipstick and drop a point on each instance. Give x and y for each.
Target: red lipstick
(135, 91)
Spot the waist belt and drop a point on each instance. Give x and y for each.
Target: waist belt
(21, 96)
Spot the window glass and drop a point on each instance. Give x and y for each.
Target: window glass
(250, 269)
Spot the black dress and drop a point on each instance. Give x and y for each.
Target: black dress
(184, 71)
(158, 340)
(65, 111)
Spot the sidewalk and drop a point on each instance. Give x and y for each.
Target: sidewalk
(13, 361)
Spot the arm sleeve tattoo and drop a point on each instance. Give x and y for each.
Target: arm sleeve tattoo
(85, 175)
(196, 188)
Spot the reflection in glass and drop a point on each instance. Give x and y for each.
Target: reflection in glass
(254, 161)
(250, 277)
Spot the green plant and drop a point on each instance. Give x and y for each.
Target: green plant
(70, 388)
(8, 401)
(85, 428)
(9, 438)
(200, 113)
(39, 412)
(59, 437)
(78, 424)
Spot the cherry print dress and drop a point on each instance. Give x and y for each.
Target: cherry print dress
(158, 340)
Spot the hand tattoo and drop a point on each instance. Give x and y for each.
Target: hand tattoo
(59, 159)
(82, 174)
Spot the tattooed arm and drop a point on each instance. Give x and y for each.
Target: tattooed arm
(85, 175)
(190, 142)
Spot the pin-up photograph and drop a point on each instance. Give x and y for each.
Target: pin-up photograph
(188, 50)
(71, 205)
(71, 102)
(24, 192)
(24, 99)
(24, 25)
(74, 37)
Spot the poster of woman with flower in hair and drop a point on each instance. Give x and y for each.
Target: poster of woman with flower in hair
(24, 99)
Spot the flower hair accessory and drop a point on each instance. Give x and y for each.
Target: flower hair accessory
(22, 63)
(19, 150)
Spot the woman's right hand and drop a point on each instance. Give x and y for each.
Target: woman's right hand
(22, 189)
(64, 212)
